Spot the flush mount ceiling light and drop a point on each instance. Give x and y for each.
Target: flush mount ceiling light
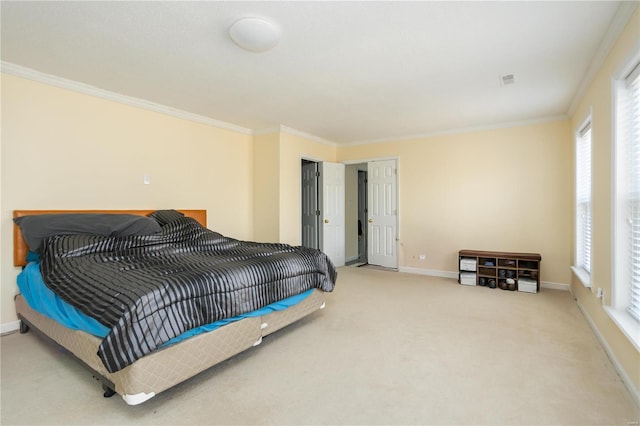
(254, 34)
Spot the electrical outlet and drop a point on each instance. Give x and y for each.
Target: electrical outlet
(599, 293)
(422, 257)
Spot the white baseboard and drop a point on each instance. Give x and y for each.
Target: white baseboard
(454, 275)
(9, 327)
(555, 286)
(430, 272)
(635, 394)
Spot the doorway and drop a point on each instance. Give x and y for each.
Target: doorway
(323, 208)
(369, 222)
(362, 215)
(371, 194)
(310, 202)
(382, 213)
(356, 214)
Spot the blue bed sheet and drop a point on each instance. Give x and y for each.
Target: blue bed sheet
(42, 299)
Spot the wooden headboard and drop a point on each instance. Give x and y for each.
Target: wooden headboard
(20, 247)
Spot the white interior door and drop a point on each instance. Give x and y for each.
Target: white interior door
(332, 238)
(310, 211)
(382, 222)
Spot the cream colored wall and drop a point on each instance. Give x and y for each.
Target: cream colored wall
(598, 100)
(266, 181)
(505, 189)
(65, 150)
(278, 184)
(293, 149)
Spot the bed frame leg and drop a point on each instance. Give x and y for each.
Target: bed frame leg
(24, 328)
(108, 392)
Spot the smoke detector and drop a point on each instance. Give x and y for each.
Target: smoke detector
(507, 79)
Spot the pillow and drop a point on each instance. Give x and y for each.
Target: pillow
(166, 216)
(36, 228)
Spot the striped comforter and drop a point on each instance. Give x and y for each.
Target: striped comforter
(149, 289)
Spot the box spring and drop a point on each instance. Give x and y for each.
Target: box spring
(169, 366)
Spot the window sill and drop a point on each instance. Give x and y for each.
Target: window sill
(582, 276)
(627, 324)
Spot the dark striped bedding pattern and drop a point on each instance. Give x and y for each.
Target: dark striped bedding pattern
(149, 289)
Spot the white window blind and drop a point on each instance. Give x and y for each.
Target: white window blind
(632, 112)
(626, 280)
(583, 198)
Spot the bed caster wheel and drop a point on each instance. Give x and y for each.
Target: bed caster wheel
(24, 328)
(108, 392)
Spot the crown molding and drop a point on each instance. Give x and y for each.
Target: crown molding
(294, 132)
(52, 80)
(463, 130)
(617, 25)
(305, 135)
(267, 131)
(31, 74)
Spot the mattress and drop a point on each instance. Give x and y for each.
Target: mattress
(148, 289)
(43, 300)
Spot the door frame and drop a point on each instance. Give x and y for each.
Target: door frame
(359, 161)
(317, 225)
(362, 216)
(398, 222)
(332, 216)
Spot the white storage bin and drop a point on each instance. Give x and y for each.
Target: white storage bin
(467, 278)
(468, 264)
(527, 285)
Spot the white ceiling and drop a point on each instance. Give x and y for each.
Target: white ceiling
(343, 71)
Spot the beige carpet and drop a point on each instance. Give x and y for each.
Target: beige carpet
(389, 348)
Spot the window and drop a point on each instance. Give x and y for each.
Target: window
(626, 254)
(583, 203)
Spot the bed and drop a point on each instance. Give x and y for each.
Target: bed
(81, 267)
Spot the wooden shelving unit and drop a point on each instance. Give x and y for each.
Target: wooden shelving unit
(504, 270)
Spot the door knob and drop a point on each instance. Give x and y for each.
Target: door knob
(326, 221)
(370, 220)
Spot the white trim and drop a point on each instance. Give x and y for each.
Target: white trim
(617, 79)
(627, 324)
(620, 317)
(350, 162)
(586, 121)
(310, 158)
(429, 272)
(555, 286)
(582, 276)
(293, 132)
(454, 275)
(305, 135)
(9, 327)
(398, 207)
(618, 22)
(460, 130)
(52, 80)
(267, 131)
(635, 394)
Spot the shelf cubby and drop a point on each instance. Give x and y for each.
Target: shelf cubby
(505, 270)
